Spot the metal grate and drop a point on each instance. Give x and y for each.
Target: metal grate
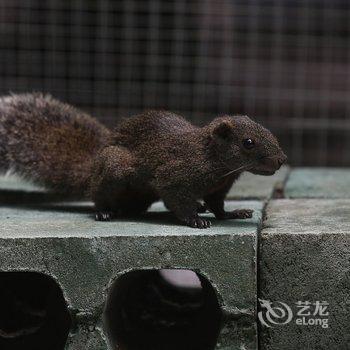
(285, 62)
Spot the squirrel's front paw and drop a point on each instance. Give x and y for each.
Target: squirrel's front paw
(237, 214)
(104, 216)
(197, 222)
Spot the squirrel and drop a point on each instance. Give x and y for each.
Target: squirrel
(156, 155)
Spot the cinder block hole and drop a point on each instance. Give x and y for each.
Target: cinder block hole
(162, 309)
(33, 312)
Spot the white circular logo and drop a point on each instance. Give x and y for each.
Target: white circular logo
(274, 313)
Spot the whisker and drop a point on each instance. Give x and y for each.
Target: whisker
(241, 167)
(217, 169)
(238, 169)
(245, 166)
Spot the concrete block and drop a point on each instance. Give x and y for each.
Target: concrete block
(318, 183)
(63, 241)
(86, 337)
(250, 186)
(305, 256)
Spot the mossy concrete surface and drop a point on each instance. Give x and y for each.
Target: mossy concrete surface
(305, 257)
(63, 240)
(318, 183)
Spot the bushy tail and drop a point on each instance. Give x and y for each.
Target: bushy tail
(48, 142)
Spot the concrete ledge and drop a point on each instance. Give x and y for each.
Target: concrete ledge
(84, 256)
(305, 256)
(318, 183)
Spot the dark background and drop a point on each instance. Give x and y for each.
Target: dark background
(284, 62)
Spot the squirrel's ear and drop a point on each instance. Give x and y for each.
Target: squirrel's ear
(223, 130)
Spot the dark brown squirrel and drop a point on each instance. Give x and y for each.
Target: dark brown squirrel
(152, 156)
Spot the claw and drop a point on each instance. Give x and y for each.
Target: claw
(198, 222)
(103, 216)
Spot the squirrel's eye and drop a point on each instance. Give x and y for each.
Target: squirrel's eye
(248, 143)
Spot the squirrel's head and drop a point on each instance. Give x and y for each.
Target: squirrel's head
(239, 142)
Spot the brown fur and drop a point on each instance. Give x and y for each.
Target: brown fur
(155, 155)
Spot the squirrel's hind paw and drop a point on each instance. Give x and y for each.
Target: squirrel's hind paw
(242, 213)
(237, 214)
